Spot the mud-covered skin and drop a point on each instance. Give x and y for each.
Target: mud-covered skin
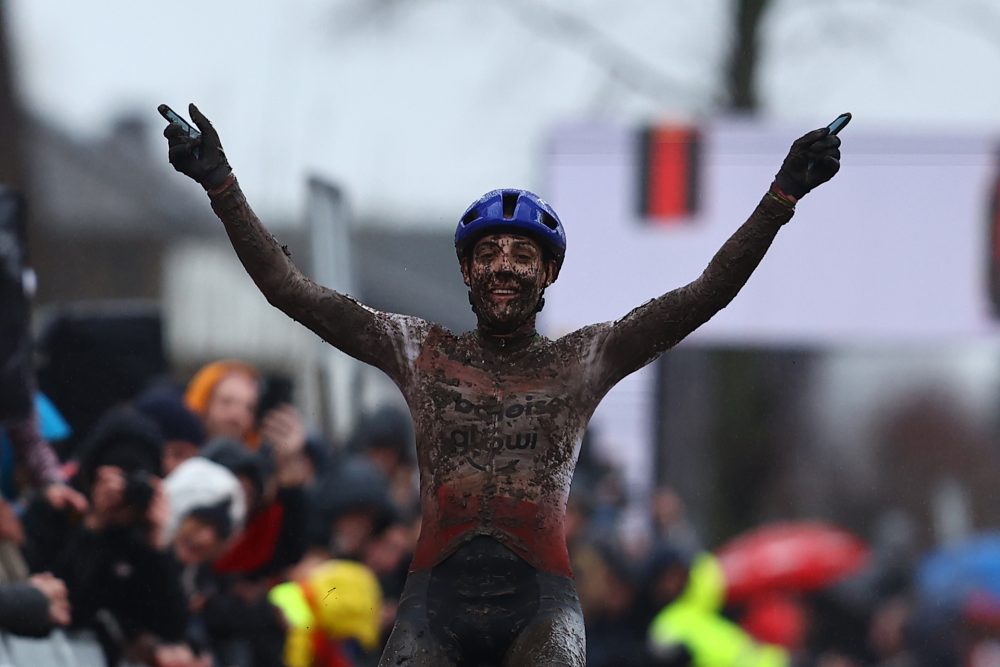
(485, 606)
(498, 418)
(507, 276)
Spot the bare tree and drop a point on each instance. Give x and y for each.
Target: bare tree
(741, 74)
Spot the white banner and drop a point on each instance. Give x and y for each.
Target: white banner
(895, 248)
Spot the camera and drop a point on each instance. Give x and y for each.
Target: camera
(138, 490)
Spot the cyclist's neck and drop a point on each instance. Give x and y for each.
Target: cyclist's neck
(505, 340)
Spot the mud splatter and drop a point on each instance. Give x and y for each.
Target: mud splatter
(499, 412)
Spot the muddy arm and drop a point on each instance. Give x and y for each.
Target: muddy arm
(656, 326)
(353, 328)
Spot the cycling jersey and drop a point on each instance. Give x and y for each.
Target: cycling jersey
(498, 421)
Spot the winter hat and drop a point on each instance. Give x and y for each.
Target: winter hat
(387, 428)
(205, 489)
(125, 438)
(355, 484)
(234, 455)
(199, 389)
(175, 419)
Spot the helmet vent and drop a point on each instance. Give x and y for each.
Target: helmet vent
(549, 221)
(509, 204)
(469, 216)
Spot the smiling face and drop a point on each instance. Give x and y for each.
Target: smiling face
(197, 541)
(506, 274)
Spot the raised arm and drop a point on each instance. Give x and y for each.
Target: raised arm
(649, 330)
(363, 333)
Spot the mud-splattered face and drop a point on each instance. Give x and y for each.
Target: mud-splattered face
(506, 275)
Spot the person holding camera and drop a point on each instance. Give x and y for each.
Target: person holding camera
(122, 581)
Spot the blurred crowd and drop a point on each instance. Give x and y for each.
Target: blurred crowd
(211, 525)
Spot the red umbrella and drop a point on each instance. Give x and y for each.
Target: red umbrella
(791, 556)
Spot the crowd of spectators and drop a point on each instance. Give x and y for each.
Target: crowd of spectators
(211, 525)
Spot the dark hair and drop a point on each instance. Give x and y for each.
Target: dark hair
(217, 516)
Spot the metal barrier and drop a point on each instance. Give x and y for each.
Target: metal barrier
(57, 650)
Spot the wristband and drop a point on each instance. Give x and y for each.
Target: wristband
(776, 194)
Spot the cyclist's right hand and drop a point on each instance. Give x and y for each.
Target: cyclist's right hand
(200, 158)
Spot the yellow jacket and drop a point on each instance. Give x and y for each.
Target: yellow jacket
(693, 620)
(339, 600)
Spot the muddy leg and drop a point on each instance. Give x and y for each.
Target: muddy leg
(555, 637)
(411, 643)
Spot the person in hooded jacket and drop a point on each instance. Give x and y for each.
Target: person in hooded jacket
(207, 510)
(121, 581)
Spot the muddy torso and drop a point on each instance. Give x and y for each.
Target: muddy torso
(498, 432)
(498, 426)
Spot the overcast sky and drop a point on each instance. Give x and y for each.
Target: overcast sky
(418, 107)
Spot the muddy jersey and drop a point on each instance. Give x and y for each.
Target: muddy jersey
(498, 422)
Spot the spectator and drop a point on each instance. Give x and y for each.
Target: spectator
(283, 434)
(386, 439)
(120, 580)
(27, 451)
(207, 508)
(616, 629)
(275, 535)
(33, 455)
(243, 626)
(183, 434)
(351, 503)
(319, 457)
(283, 431)
(224, 395)
(333, 615)
(669, 524)
(691, 628)
(388, 555)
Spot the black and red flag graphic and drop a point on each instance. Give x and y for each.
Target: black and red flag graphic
(669, 170)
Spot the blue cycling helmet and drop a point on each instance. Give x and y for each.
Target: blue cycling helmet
(515, 212)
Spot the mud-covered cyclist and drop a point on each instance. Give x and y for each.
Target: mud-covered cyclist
(499, 412)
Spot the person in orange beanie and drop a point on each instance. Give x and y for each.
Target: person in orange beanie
(225, 394)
